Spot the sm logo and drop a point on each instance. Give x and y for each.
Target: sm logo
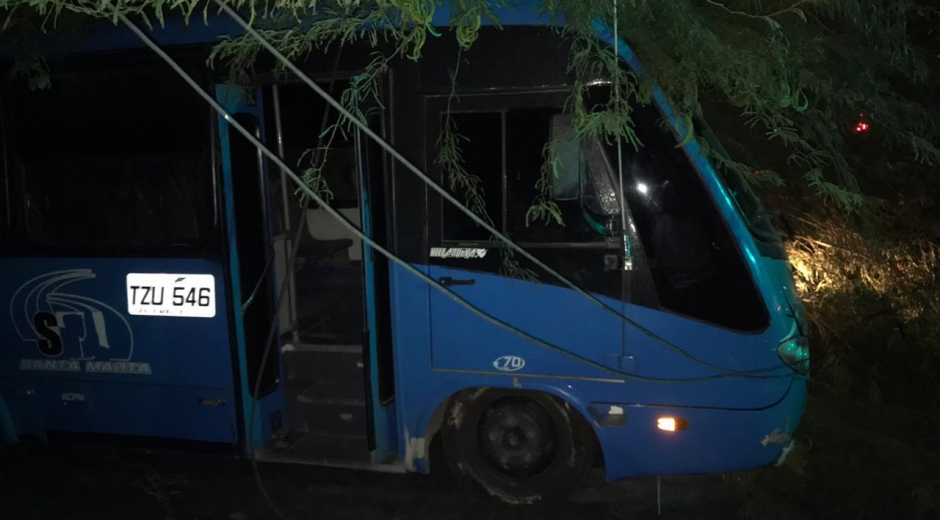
(66, 325)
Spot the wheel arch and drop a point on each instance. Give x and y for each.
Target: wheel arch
(431, 419)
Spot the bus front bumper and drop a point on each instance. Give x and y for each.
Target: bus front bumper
(701, 440)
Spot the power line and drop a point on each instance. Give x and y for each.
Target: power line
(479, 221)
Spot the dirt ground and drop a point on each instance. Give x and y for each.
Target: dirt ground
(854, 460)
(56, 483)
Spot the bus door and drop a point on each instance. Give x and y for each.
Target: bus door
(251, 256)
(502, 140)
(325, 336)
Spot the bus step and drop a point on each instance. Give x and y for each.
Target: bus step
(335, 362)
(319, 447)
(332, 349)
(312, 337)
(330, 401)
(333, 416)
(351, 388)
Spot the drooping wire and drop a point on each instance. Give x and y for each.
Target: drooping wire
(479, 221)
(619, 374)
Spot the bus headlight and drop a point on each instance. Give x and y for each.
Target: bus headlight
(794, 352)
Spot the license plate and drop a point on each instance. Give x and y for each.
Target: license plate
(181, 295)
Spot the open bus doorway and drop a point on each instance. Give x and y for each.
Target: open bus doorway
(324, 322)
(327, 271)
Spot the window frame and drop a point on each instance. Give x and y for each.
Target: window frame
(736, 242)
(490, 102)
(18, 238)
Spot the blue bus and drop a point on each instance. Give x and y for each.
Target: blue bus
(146, 245)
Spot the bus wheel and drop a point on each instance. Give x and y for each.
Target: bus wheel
(518, 447)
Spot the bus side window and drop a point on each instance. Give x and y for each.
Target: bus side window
(480, 143)
(503, 148)
(535, 213)
(504, 155)
(114, 158)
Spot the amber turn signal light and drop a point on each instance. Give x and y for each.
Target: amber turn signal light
(671, 424)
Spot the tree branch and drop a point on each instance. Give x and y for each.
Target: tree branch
(769, 17)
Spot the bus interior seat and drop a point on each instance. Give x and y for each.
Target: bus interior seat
(330, 287)
(311, 250)
(323, 227)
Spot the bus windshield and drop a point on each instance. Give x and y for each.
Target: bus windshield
(746, 202)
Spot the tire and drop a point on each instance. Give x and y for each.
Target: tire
(519, 447)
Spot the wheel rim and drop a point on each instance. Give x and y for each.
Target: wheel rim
(517, 437)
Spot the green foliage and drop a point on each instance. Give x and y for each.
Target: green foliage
(362, 91)
(800, 70)
(544, 209)
(875, 309)
(312, 175)
(450, 160)
(591, 58)
(34, 69)
(729, 166)
(467, 17)
(852, 461)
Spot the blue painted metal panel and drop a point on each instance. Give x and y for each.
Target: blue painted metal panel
(257, 427)
(25, 413)
(716, 440)
(462, 341)
(708, 343)
(382, 416)
(411, 336)
(118, 373)
(728, 418)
